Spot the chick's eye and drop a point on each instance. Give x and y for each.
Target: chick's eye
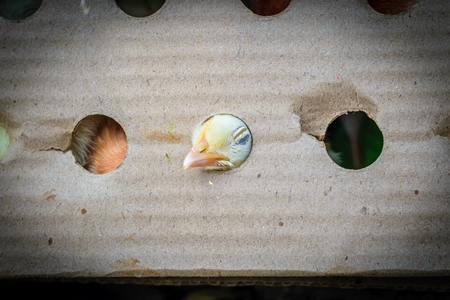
(244, 140)
(241, 136)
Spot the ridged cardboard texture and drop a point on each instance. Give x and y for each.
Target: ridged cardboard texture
(289, 210)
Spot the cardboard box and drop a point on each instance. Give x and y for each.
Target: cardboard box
(289, 210)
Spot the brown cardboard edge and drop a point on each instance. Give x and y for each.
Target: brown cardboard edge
(420, 283)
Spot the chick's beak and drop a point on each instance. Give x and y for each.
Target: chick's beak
(204, 159)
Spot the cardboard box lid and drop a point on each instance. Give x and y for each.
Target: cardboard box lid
(289, 210)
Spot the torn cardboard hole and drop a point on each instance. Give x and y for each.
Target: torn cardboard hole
(327, 102)
(99, 144)
(443, 128)
(43, 135)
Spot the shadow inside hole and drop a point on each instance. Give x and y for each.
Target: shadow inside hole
(4, 142)
(353, 140)
(140, 8)
(391, 7)
(266, 7)
(99, 144)
(17, 10)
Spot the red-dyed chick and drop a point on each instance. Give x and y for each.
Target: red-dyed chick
(99, 144)
(391, 7)
(266, 7)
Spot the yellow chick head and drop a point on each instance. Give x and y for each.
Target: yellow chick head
(222, 142)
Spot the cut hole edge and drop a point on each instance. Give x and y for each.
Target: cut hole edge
(262, 9)
(5, 141)
(19, 14)
(360, 158)
(99, 144)
(391, 7)
(137, 9)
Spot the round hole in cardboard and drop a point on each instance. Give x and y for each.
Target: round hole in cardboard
(221, 142)
(266, 7)
(99, 144)
(353, 140)
(4, 142)
(391, 7)
(140, 8)
(17, 10)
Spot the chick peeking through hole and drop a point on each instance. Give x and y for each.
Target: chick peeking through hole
(99, 144)
(221, 142)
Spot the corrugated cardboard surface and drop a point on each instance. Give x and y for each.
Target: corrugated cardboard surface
(289, 210)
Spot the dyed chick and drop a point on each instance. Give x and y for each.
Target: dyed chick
(266, 7)
(391, 7)
(99, 144)
(222, 142)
